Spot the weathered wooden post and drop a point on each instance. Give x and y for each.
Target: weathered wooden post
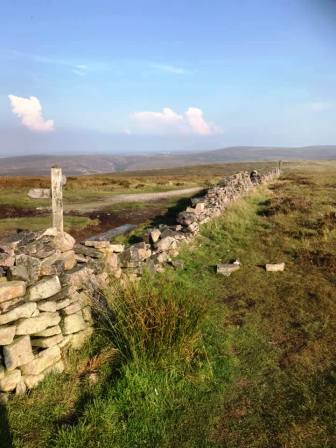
(57, 198)
(280, 165)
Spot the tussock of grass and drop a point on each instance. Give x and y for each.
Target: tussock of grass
(153, 317)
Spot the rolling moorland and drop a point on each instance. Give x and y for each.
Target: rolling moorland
(39, 165)
(243, 361)
(94, 203)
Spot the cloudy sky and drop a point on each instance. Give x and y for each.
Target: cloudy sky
(150, 75)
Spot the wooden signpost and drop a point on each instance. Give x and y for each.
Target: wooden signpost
(57, 198)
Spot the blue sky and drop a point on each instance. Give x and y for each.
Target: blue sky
(147, 75)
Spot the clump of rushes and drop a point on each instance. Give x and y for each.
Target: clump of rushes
(148, 319)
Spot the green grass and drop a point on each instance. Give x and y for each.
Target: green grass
(209, 361)
(36, 223)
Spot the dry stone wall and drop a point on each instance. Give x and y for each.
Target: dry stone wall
(47, 280)
(44, 306)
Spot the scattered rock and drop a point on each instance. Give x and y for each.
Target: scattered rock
(276, 267)
(227, 269)
(39, 193)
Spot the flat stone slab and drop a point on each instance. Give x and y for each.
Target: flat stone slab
(45, 288)
(47, 342)
(34, 325)
(107, 236)
(12, 290)
(275, 267)
(22, 311)
(17, 353)
(39, 193)
(43, 360)
(227, 269)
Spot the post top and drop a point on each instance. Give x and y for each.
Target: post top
(56, 166)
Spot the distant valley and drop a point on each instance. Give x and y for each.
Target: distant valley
(37, 165)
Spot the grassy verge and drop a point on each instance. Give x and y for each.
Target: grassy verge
(208, 361)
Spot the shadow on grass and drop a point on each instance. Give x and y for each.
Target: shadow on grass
(5, 433)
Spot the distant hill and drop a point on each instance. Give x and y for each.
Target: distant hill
(92, 164)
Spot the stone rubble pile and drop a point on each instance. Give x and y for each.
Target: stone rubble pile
(47, 280)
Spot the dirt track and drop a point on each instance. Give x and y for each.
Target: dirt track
(136, 197)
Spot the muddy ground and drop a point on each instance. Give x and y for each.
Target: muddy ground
(161, 211)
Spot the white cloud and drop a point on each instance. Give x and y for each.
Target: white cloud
(29, 110)
(170, 122)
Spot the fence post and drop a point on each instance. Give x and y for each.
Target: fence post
(57, 198)
(280, 165)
